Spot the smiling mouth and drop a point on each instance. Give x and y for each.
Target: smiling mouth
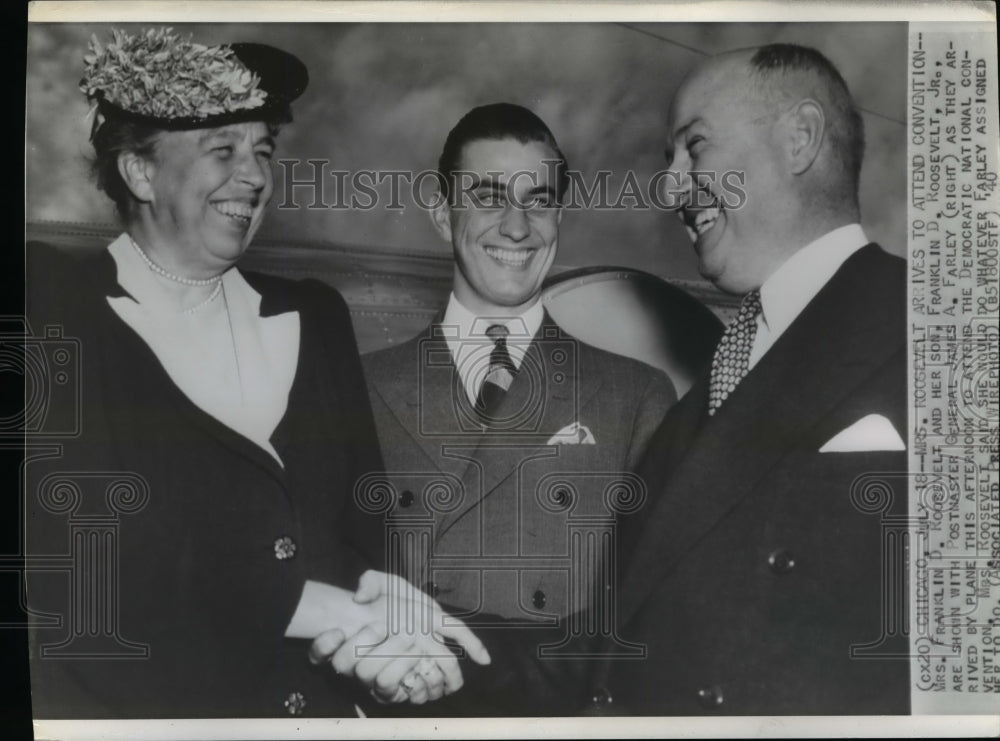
(239, 211)
(510, 258)
(700, 221)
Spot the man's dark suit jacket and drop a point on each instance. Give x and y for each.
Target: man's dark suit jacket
(763, 567)
(498, 506)
(764, 577)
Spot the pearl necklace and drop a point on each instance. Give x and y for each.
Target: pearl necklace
(171, 276)
(207, 301)
(216, 281)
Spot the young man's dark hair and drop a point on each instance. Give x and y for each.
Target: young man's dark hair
(496, 121)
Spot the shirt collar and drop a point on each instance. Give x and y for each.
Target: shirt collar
(797, 281)
(461, 324)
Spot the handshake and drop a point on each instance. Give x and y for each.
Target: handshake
(388, 634)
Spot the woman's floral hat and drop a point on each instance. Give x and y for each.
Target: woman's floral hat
(162, 80)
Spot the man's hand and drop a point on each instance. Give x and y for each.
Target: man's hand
(400, 655)
(397, 668)
(417, 611)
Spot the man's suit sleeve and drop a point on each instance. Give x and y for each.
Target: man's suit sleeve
(657, 397)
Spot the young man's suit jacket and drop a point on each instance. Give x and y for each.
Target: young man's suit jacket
(489, 513)
(763, 566)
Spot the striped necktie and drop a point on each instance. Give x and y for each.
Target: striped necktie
(499, 376)
(732, 357)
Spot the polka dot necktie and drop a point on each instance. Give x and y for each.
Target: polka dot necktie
(499, 376)
(732, 356)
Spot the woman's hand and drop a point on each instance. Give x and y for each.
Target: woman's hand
(401, 654)
(397, 668)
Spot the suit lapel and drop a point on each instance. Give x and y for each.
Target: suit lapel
(547, 393)
(105, 277)
(829, 350)
(549, 390)
(422, 397)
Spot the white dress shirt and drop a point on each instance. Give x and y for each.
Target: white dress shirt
(793, 285)
(470, 348)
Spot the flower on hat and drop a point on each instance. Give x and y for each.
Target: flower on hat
(158, 74)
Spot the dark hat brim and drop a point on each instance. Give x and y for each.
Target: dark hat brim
(282, 76)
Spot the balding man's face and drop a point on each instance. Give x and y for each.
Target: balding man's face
(717, 128)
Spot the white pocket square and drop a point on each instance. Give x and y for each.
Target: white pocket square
(574, 434)
(873, 432)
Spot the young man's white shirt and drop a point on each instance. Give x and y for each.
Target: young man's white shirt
(465, 333)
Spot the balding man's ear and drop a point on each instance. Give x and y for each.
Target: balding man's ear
(137, 173)
(807, 128)
(441, 217)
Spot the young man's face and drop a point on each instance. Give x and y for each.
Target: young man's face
(503, 223)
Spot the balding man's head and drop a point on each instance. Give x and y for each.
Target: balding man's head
(778, 120)
(784, 74)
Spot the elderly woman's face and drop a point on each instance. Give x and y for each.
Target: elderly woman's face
(210, 187)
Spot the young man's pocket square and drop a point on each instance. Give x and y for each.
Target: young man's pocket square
(873, 432)
(574, 434)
